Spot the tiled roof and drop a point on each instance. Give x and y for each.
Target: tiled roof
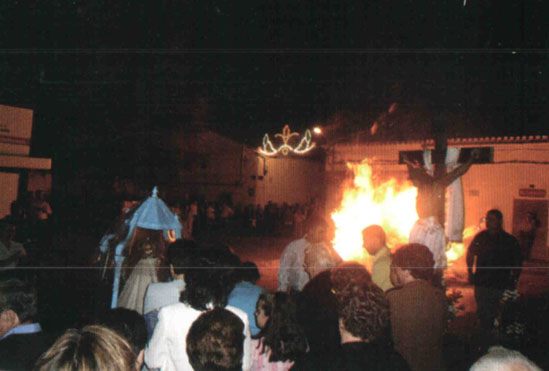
(494, 140)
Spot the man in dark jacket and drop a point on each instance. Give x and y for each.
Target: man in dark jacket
(316, 308)
(21, 338)
(498, 261)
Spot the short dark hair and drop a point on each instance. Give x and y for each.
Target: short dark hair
(364, 310)
(129, 324)
(215, 341)
(248, 272)
(180, 255)
(495, 212)
(19, 297)
(282, 336)
(210, 280)
(417, 259)
(316, 221)
(265, 301)
(348, 272)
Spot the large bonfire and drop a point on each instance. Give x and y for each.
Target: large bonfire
(367, 200)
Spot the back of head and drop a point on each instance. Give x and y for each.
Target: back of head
(496, 213)
(363, 309)
(19, 297)
(375, 233)
(215, 341)
(316, 221)
(348, 272)
(502, 359)
(283, 335)
(317, 229)
(181, 254)
(92, 348)
(248, 272)
(210, 280)
(320, 257)
(417, 259)
(129, 324)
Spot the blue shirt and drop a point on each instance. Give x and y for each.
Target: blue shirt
(30, 328)
(244, 296)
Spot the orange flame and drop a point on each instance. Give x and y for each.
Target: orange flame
(455, 250)
(389, 204)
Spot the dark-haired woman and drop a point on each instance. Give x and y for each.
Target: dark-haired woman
(281, 340)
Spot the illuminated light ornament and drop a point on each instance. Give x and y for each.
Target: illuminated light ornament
(304, 145)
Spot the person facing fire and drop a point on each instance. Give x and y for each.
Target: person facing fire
(431, 192)
(373, 238)
(291, 274)
(418, 308)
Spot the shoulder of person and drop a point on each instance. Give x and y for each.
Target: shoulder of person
(392, 292)
(239, 312)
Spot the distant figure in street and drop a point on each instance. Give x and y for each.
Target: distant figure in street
(418, 308)
(291, 274)
(496, 257)
(527, 234)
(42, 208)
(10, 251)
(373, 238)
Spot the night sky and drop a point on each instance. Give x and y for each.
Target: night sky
(101, 75)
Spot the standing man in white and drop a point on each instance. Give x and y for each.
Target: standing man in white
(291, 274)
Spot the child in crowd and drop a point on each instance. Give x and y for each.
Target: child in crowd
(281, 340)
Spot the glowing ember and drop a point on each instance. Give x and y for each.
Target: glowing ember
(389, 204)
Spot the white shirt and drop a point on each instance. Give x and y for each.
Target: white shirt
(290, 269)
(167, 349)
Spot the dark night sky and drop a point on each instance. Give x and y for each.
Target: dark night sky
(99, 73)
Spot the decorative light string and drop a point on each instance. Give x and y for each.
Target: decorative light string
(304, 145)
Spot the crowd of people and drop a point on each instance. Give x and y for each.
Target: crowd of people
(272, 219)
(203, 310)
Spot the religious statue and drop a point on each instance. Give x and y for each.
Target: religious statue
(431, 191)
